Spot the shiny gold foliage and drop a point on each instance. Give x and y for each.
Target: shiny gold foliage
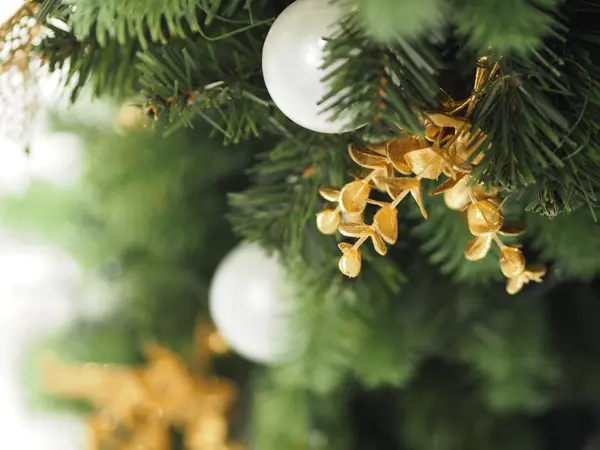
(450, 147)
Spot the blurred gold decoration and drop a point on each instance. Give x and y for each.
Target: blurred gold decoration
(19, 90)
(450, 147)
(130, 118)
(135, 407)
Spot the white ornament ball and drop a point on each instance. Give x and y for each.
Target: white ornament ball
(246, 303)
(292, 59)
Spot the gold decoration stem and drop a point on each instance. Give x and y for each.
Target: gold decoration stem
(499, 242)
(398, 199)
(376, 203)
(360, 242)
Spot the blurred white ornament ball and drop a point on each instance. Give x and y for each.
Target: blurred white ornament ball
(292, 57)
(246, 303)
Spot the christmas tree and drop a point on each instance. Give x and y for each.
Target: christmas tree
(426, 174)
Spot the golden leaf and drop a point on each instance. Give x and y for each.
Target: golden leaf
(343, 246)
(354, 195)
(458, 198)
(397, 150)
(378, 244)
(351, 229)
(398, 185)
(395, 186)
(484, 217)
(379, 147)
(431, 131)
(380, 175)
(329, 194)
(478, 247)
(514, 285)
(535, 272)
(445, 120)
(512, 262)
(466, 144)
(481, 192)
(386, 224)
(531, 273)
(417, 193)
(358, 217)
(425, 163)
(328, 220)
(365, 158)
(513, 228)
(445, 186)
(350, 262)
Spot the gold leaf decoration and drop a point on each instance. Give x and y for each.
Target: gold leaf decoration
(512, 262)
(137, 407)
(484, 217)
(451, 146)
(478, 247)
(446, 186)
(351, 262)
(397, 150)
(458, 198)
(328, 221)
(353, 196)
(367, 159)
(329, 194)
(386, 224)
(531, 273)
(350, 229)
(512, 228)
(443, 120)
(378, 244)
(425, 163)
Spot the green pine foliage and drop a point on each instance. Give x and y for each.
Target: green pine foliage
(508, 27)
(569, 242)
(423, 350)
(444, 237)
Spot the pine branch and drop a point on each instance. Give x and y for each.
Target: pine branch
(510, 353)
(280, 207)
(108, 69)
(279, 211)
(50, 8)
(313, 422)
(384, 88)
(432, 420)
(571, 243)
(445, 235)
(388, 21)
(507, 27)
(532, 114)
(218, 81)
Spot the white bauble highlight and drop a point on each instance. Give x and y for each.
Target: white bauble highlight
(292, 57)
(246, 303)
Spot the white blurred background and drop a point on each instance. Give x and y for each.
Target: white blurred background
(39, 284)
